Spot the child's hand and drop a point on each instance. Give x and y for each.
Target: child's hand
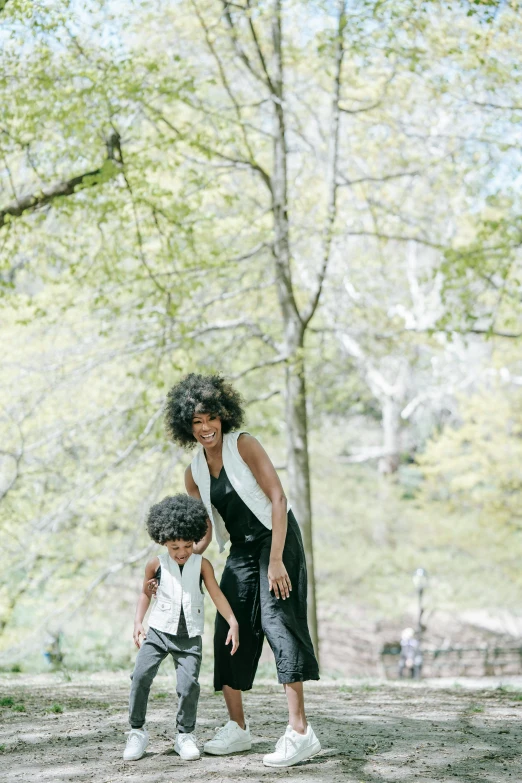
(151, 587)
(139, 633)
(233, 638)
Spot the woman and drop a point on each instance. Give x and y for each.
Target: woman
(264, 578)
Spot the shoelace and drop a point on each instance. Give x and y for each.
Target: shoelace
(282, 743)
(134, 739)
(221, 732)
(184, 737)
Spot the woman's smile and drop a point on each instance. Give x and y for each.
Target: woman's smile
(206, 428)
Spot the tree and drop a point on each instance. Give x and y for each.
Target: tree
(251, 163)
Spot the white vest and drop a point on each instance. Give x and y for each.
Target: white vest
(175, 589)
(241, 478)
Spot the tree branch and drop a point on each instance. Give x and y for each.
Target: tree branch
(487, 332)
(224, 79)
(261, 365)
(375, 452)
(34, 201)
(259, 49)
(333, 157)
(345, 182)
(488, 105)
(139, 239)
(76, 601)
(373, 105)
(252, 326)
(396, 238)
(237, 46)
(210, 151)
(16, 456)
(262, 397)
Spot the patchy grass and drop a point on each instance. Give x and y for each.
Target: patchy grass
(474, 708)
(8, 701)
(508, 689)
(56, 708)
(160, 695)
(367, 688)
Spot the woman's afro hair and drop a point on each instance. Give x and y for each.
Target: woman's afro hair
(179, 516)
(206, 394)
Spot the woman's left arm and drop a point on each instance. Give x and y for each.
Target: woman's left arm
(264, 472)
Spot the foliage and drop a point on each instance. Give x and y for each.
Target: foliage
(145, 146)
(474, 491)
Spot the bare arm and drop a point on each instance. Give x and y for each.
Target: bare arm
(193, 491)
(144, 601)
(265, 474)
(221, 603)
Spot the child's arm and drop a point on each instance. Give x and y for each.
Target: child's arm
(144, 601)
(221, 603)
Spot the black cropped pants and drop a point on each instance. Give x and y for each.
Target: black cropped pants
(259, 614)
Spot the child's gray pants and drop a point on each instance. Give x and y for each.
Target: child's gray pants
(186, 653)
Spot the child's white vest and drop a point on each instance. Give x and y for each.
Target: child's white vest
(176, 589)
(241, 478)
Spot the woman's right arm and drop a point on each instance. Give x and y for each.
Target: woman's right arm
(193, 491)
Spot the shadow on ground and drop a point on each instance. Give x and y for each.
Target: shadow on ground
(75, 731)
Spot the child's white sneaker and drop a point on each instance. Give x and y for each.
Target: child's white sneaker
(292, 748)
(137, 741)
(230, 738)
(186, 746)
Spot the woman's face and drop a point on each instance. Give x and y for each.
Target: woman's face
(206, 428)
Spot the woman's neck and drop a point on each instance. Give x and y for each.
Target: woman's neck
(214, 455)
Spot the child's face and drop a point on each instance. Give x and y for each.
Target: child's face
(180, 550)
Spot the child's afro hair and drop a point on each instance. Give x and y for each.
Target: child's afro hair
(206, 394)
(179, 516)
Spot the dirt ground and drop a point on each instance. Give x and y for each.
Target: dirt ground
(371, 732)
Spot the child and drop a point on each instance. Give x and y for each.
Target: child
(176, 620)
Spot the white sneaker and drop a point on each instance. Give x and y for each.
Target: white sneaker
(137, 741)
(229, 739)
(292, 748)
(186, 746)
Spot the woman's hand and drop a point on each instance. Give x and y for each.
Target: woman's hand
(278, 579)
(233, 638)
(139, 633)
(151, 587)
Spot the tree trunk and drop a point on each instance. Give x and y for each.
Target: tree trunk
(295, 388)
(299, 473)
(388, 465)
(391, 423)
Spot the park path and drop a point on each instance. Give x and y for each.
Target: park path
(55, 731)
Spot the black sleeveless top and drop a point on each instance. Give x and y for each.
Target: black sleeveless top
(242, 524)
